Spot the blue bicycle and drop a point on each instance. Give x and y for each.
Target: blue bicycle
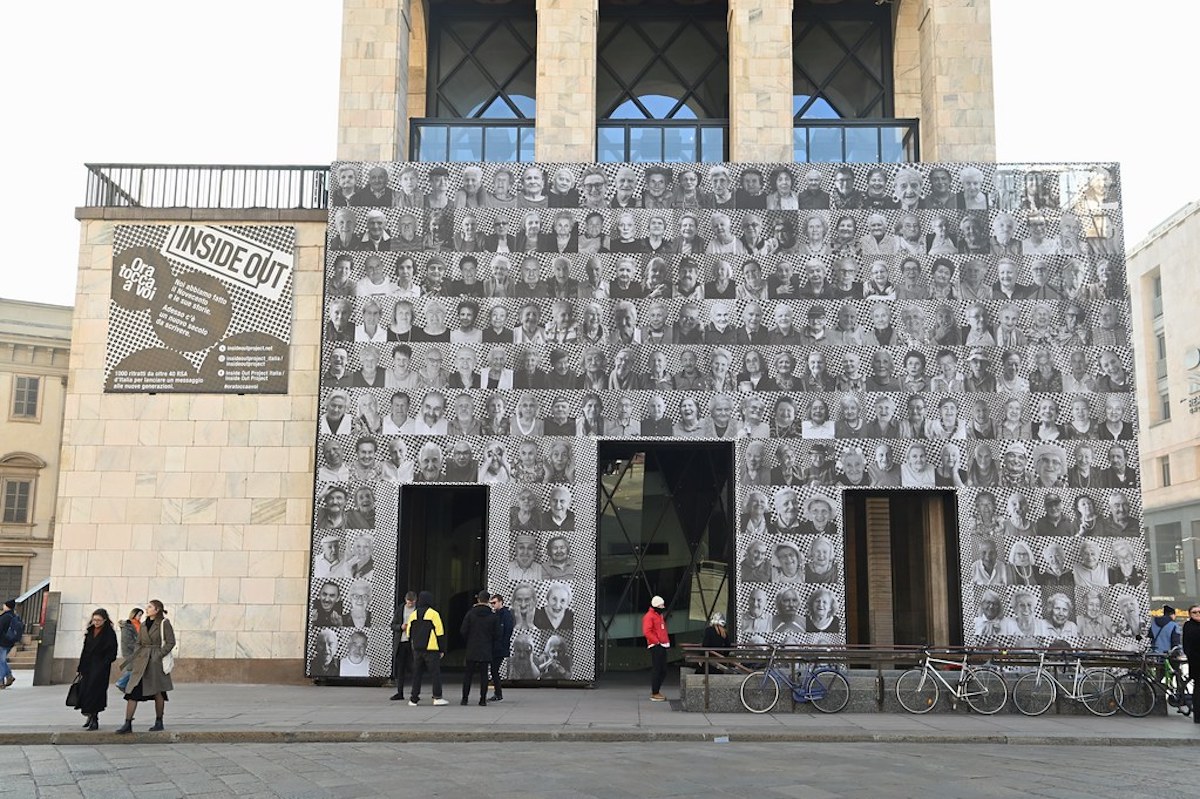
(824, 685)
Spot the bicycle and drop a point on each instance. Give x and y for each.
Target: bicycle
(981, 687)
(1136, 690)
(825, 686)
(1175, 684)
(1033, 693)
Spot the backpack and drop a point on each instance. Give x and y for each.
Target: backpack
(419, 630)
(16, 628)
(1158, 644)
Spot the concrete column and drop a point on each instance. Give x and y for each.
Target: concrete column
(958, 115)
(373, 95)
(760, 80)
(566, 80)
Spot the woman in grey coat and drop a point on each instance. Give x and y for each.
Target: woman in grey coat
(129, 631)
(155, 639)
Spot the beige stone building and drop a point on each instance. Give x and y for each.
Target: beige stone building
(1166, 336)
(35, 346)
(205, 501)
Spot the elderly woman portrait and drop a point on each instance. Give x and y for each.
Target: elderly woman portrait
(820, 564)
(556, 615)
(822, 613)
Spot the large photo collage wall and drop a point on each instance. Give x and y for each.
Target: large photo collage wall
(926, 326)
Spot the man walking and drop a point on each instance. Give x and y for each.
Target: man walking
(402, 662)
(11, 628)
(500, 650)
(654, 627)
(426, 634)
(479, 630)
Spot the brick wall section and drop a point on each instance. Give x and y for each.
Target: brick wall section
(760, 80)
(202, 501)
(373, 97)
(566, 80)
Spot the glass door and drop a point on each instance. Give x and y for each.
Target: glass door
(665, 528)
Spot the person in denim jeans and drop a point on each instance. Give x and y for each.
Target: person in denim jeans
(129, 632)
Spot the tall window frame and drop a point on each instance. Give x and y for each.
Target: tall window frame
(16, 500)
(26, 404)
(467, 49)
(832, 45)
(636, 44)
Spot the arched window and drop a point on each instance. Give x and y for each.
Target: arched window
(667, 65)
(841, 60)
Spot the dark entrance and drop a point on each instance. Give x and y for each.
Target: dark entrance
(902, 568)
(666, 528)
(440, 548)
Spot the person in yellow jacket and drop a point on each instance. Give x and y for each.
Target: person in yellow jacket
(427, 636)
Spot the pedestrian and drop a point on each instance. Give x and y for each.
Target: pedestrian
(427, 636)
(1191, 649)
(480, 629)
(402, 662)
(716, 636)
(95, 666)
(654, 627)
(155, 640)
(129, 631)
(11, 629)
(1165, 637)
(503, 644)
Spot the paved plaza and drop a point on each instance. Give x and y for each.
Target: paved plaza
(618, 710)
(576, 770)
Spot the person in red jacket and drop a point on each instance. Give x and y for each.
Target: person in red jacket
(654, 627)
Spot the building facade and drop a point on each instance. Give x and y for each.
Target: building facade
(1161, 288)
(208, 502)
(35, 345)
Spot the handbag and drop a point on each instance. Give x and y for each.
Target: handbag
(74, 690)
(168, 660)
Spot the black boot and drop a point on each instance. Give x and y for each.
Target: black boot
(158, 726)
(126, 728)
(87, 720)
(93, 723)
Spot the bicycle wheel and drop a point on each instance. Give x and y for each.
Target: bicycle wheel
(1098, 692)
(1033, 694)
(917, 691)
(1135, 694)
(829, 691)
(984, 689)
(760, 691)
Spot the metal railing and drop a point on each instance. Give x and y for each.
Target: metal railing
(864, 141)
(223, 186)
(660, 140)
(31, 606)
(493, 140)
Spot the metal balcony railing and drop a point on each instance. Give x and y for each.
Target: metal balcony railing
(221, 186)
(864, 141)
(494, 140)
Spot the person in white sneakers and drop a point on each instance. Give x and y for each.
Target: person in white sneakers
(654, 627)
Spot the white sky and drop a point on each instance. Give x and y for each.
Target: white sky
(255, 82)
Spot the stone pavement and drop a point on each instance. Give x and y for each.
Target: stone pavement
(618, 710)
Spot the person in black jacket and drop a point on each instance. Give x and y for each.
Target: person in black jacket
(129, 631)
(1191, 648)
(95, 665)
(480, 628)
(503, 643)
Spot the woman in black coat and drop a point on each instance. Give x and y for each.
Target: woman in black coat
(95, 667)
(1191, 648)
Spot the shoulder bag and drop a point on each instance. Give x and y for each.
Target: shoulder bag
(168, 659)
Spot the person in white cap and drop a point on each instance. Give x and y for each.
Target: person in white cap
(654, 627)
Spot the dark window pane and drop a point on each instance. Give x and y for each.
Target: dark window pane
(645, 145)
(852, 90)
(479, 59)
(432, 143)
(825, 145)
(862, 145)
(627, 54)
(466, 144)
(610, 145)
(501, 53)
(679, 144)
(466, 91)
(841, 53)
(713, 145)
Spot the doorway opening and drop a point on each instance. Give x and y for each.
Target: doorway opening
(902, 568)
(665, 528)
(440, 548)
